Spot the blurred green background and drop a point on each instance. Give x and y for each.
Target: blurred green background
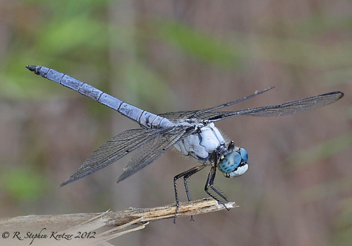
(162, 56)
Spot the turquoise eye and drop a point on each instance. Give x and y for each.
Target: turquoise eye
(244, 154)
(234, 164)
(230, 162)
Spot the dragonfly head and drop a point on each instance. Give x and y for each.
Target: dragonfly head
(234, 163)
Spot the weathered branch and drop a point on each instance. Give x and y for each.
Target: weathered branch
(113, 224)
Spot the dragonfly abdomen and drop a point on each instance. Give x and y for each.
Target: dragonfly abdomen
(143, 117)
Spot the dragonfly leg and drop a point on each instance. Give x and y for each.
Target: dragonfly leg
(185, 175)
(231, 146)
(210, 182)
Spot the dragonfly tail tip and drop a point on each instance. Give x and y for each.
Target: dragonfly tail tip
(33, 68)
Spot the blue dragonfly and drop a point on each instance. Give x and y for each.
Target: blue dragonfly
(193, 133)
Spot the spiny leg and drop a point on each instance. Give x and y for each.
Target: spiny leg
(209, 183)
(231, 146)
(185, 175)
(186, 185)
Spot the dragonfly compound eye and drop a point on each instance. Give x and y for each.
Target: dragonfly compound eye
(234, 164)
(244, 154)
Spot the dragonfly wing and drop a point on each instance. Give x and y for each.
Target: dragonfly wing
(292, 107)
(151, 151)
(174, 116)
(199, 113)
(114, 149)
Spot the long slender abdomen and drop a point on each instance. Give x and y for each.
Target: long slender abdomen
(142, 117)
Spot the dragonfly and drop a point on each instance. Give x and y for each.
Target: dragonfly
(193, 133)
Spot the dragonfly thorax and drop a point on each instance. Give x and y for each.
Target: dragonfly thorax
(207, 140)
(202, 143)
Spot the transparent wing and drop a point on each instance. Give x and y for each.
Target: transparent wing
(154, 149)
(114, 149)
(288, 108)
(198, 113)
(208, 110)
(174, 116)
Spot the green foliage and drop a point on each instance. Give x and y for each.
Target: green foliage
(198, 44)
(320, 151)
(343, 226)
(22, 184)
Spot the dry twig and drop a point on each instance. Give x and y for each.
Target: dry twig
(109, 224)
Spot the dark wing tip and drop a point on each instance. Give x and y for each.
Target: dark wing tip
(77, 175)
(341, 94)
(337, 94)
(66, 182)
(81, 172)
(124, 175)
